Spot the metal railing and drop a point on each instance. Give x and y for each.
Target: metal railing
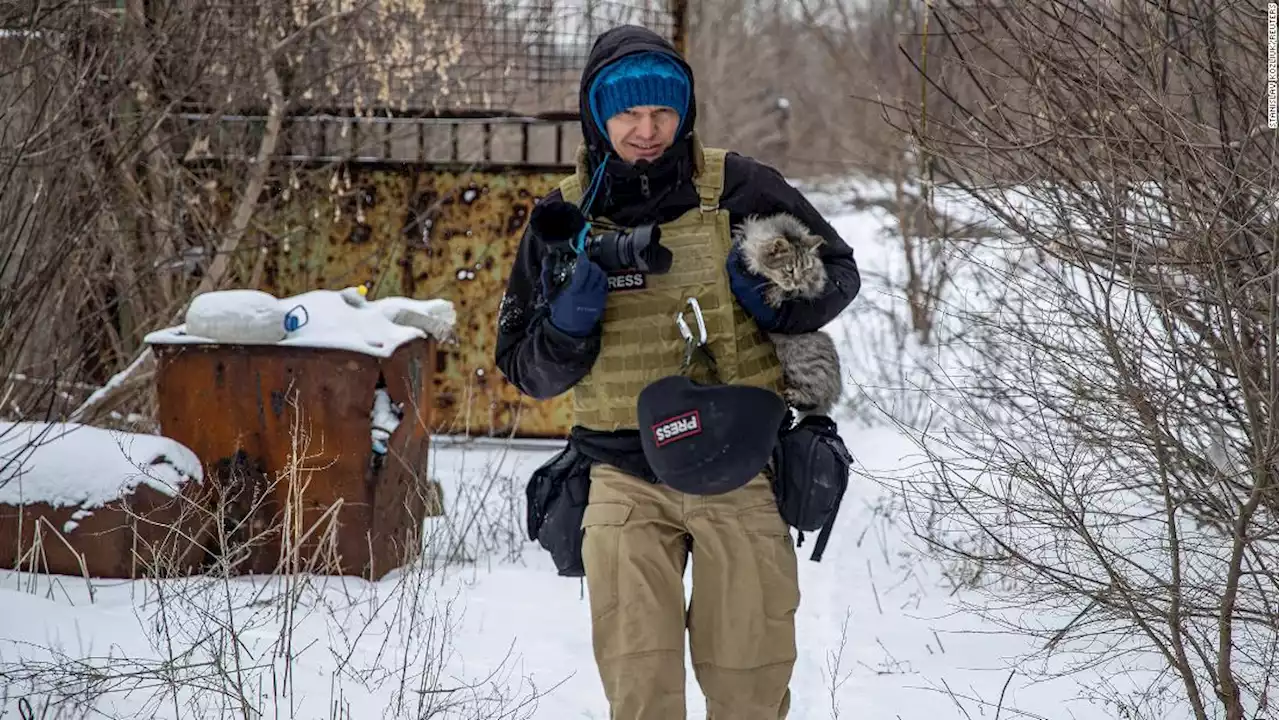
(483, 139)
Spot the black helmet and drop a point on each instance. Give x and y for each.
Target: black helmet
(707, 439)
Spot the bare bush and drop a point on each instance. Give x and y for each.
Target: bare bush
(1115, 464)
(50, 218)
(808, 86)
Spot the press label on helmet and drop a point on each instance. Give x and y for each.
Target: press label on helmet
(626, 280)
(677, 428)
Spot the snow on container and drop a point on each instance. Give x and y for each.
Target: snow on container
(80, 500)
(316, 444)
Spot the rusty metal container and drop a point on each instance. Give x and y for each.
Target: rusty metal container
(311, 494)
(145, 533)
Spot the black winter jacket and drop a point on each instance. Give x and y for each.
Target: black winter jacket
(542, 361)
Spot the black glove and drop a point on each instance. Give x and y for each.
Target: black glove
(577, 308)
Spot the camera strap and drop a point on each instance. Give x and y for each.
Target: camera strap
(596, 179)
(579, 243)
(695, 346)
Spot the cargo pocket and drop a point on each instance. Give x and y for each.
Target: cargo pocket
(775, 555)
(602, 530)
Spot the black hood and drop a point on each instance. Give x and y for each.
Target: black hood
(610, 46)
(675, 167)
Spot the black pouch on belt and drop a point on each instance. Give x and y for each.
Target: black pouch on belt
(810, 476)
(555, 501)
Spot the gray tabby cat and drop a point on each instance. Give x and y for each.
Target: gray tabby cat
(782, 250)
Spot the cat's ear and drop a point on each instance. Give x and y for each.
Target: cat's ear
(777, 248)
(797, 232)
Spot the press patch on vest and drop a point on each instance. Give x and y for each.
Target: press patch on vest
(677, 428)
(623, 280)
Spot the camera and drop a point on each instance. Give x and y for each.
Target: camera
(560, 224)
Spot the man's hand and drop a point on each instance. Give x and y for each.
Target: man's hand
(577, 307)
(749, 290)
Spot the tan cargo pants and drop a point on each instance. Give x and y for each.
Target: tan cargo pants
(741, 619)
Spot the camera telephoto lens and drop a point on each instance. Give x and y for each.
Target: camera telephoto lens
(639, 249)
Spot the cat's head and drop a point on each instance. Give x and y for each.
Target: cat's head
(777, 254)
(782, 250)
(802, 274)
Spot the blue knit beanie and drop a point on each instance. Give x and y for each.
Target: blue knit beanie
(648, 78)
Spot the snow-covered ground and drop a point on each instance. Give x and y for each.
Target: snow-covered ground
(876, 624)
(882, 632)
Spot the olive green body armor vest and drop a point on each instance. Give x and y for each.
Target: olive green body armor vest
(641, 341)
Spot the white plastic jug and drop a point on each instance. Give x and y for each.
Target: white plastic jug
(244, 317)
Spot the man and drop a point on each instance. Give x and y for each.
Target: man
(642, 163)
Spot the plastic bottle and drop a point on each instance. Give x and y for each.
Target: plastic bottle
(245, 317)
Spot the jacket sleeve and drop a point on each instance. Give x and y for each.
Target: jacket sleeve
(540, 360)
(752, 188)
